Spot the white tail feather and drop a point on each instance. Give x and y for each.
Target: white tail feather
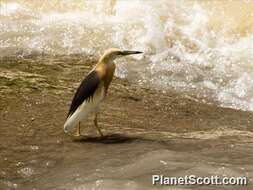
(83, 110)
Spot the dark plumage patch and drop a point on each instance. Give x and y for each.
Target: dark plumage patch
(85, 91)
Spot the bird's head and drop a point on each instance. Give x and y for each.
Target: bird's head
(113, 53)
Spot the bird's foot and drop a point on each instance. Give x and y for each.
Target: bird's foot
(79, 136)
(102, 137)
(78, 131)
(100, 133)
(76, 135)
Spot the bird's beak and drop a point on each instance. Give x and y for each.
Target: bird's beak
(130, 52)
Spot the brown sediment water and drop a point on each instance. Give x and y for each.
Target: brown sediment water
(147, 132)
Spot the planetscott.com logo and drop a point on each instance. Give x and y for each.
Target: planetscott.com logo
(197, 180)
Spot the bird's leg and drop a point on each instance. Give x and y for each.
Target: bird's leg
(78, 131)
(96, 125)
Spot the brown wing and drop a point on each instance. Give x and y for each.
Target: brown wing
(85, 91)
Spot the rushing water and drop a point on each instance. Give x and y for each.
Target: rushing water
(201, 48)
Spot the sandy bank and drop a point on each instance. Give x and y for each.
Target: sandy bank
(34, 99)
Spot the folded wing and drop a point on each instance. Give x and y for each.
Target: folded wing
(85, 91)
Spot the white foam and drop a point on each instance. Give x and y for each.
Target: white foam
(193, 47)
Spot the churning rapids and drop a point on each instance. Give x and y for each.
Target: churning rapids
(202, 49)
(169, 117)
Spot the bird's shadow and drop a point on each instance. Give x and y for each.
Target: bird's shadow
(108, 139)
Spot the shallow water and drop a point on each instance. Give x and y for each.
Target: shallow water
(125, 163)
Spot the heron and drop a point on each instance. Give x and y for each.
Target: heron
(93, 90)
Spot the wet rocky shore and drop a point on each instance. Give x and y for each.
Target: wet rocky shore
(35, 93)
